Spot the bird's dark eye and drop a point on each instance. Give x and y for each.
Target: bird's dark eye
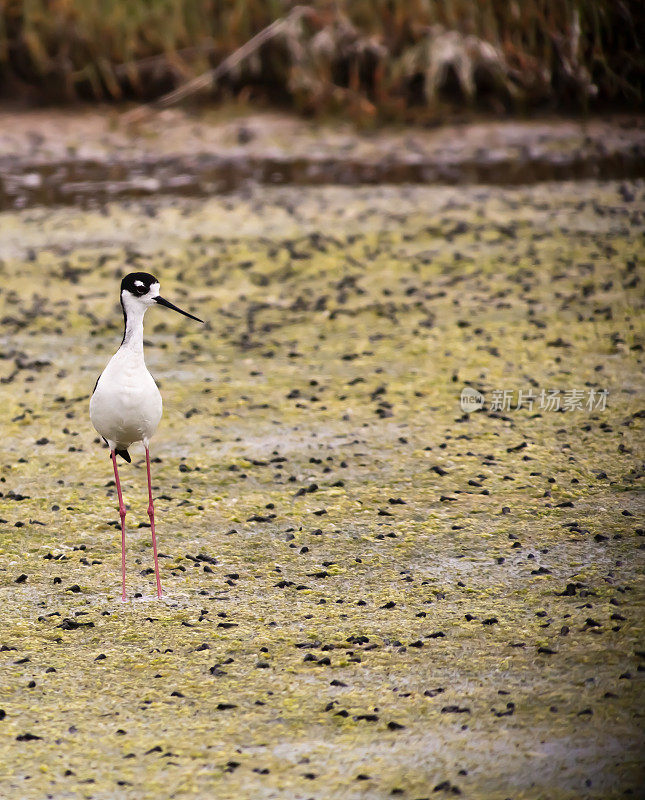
(140, 290)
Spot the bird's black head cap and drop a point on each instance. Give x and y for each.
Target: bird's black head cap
(138, 283)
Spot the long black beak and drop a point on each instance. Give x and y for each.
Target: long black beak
(167, 304)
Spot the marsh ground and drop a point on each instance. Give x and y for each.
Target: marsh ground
(369, 593)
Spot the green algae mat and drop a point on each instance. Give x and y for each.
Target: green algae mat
(370, 590)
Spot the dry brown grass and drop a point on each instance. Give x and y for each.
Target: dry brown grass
(373, 58)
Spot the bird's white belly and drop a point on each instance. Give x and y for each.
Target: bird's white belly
(126, 405)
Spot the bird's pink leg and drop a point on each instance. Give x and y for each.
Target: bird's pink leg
(151, 514)
(122, 515)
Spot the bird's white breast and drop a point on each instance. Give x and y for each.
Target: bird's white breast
(126, 405)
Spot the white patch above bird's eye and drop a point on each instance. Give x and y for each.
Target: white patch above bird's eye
(139, 283)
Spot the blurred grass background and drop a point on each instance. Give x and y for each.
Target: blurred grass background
(378, 59)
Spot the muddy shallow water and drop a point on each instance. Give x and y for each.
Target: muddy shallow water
(86, 157)
(369, 592)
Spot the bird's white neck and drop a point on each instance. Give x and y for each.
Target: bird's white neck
(133, 336)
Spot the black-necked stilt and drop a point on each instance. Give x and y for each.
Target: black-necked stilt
(125, 406)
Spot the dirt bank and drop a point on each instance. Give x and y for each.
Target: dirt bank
(90, 157)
